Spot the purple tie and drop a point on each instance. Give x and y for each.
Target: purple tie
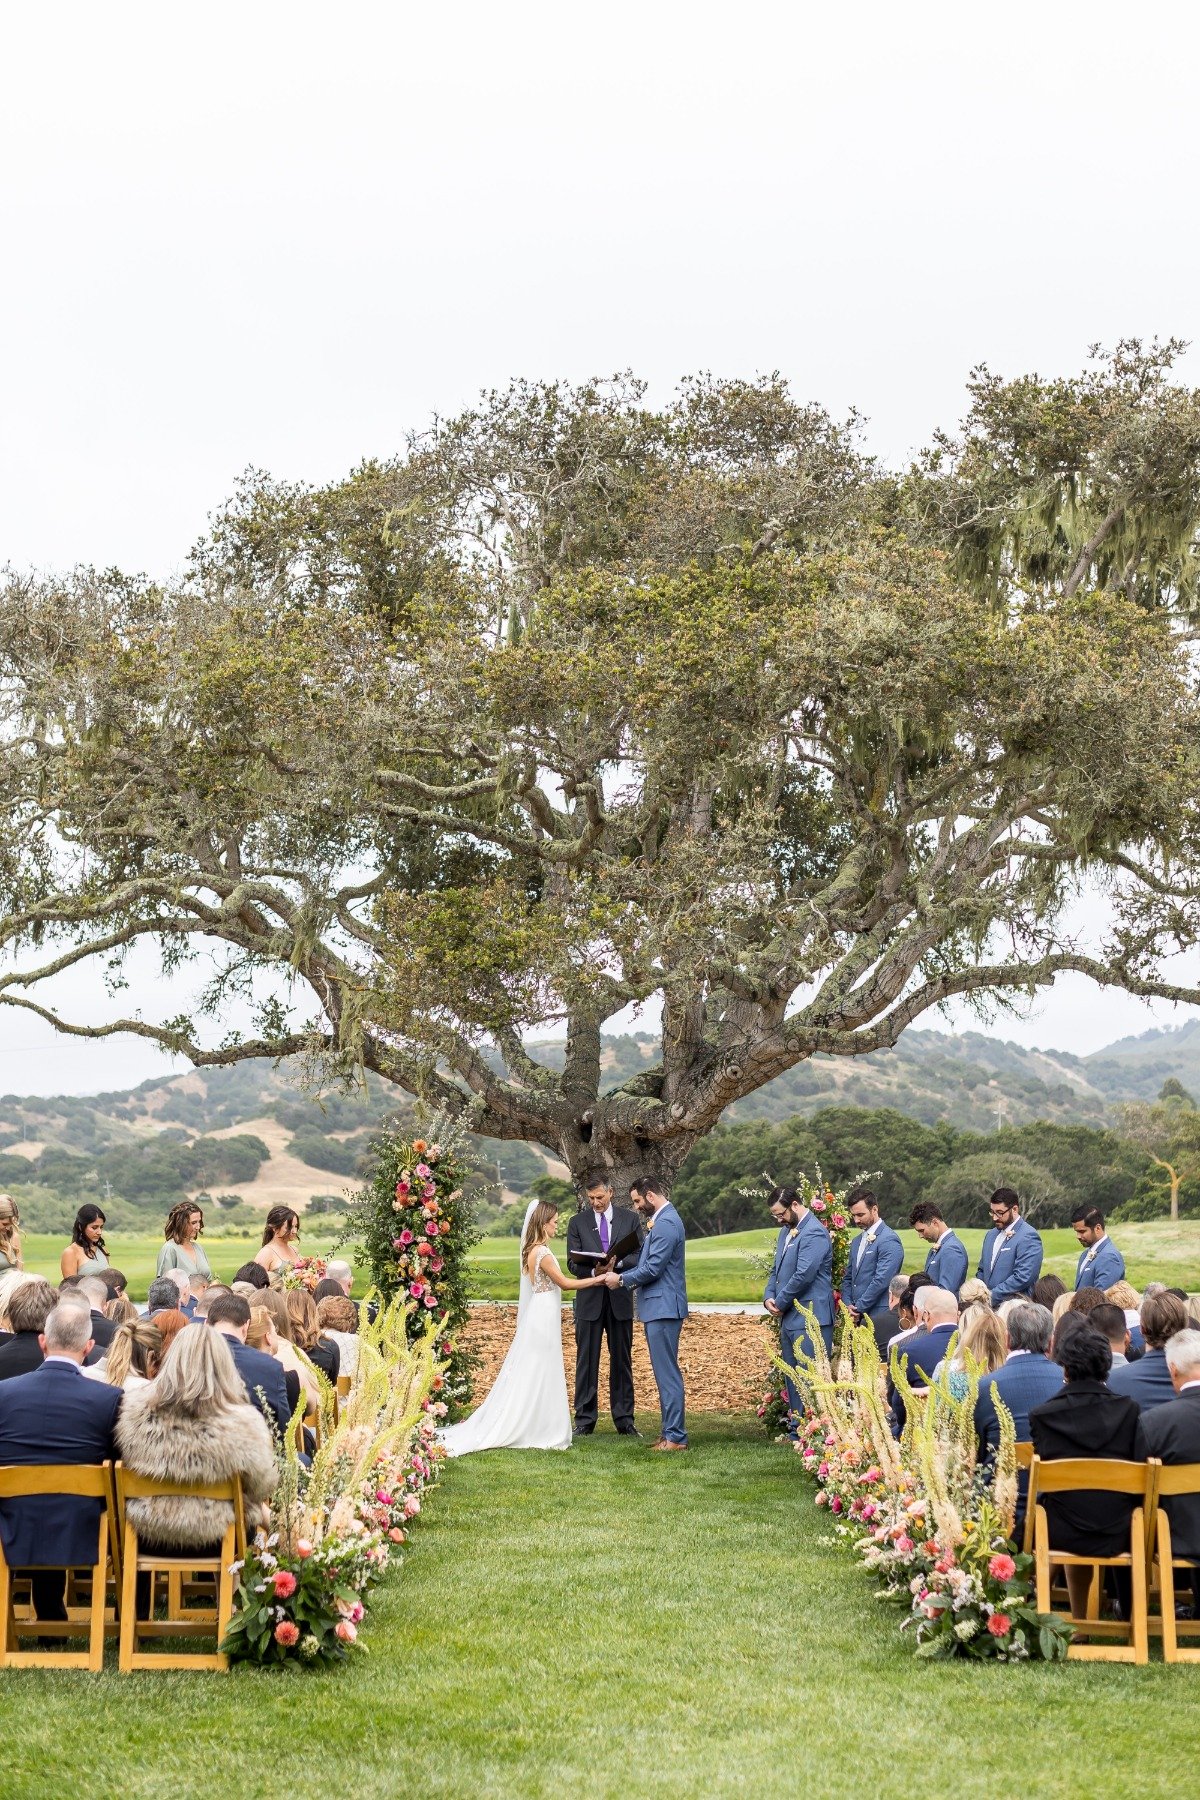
(604, 1232)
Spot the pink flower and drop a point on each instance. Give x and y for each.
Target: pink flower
(284, 1583)
(346, 1631)
(433, 1153)
(431, 1301)
(835, 1505)
(406, 1236)
(429, 1192)
(396, 1535)
(416, 1289)
(383, 1499)
(821, 1498)
(999, 1624)
(356, 1612)
(402, 1190)
(904, 1544)
(1002, 1568)
(436, 1265)
(822, 1470)
(287, 1633)
(412, 1506)
(869, 1510)
(303, 1548)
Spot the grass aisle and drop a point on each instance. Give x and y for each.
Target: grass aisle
(611, 1622)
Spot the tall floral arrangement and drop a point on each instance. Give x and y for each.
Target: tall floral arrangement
(415, 1222)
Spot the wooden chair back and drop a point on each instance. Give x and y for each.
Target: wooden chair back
(1096, 1475)
(178, 1567)
(85, 1481)
(1171, 1480)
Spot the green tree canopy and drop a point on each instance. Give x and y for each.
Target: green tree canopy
(578, 705)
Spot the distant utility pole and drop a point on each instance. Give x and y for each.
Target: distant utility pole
(999, 1114)
(107, 1188)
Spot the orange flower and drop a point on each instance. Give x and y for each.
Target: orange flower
(445, 1228)
(418, 1145)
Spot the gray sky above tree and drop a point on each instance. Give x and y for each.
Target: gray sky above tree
(282, 237)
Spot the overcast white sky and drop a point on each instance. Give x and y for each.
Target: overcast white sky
(281, 235)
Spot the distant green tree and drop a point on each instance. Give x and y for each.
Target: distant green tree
(963, 1190)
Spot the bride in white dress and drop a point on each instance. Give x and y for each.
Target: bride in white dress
(527, 1408)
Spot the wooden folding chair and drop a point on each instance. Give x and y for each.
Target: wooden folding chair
(1025, 1461)
(1105, 1475)
(87, 1481)
(343, 1387)
(205, 1622)
(1171, 1478)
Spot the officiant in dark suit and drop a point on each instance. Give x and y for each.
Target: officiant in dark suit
(600, 1312)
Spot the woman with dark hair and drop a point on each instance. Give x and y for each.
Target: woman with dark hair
(1085, 1419)
(87, 1253)
(1046, 1290)
(185, 1222)
(328, 1290)
(280, 1237)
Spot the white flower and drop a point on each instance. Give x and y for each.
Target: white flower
(966, 1629)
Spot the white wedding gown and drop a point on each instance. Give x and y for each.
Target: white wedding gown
(527, 1408)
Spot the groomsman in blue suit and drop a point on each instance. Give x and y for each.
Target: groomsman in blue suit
(661, 1283)
(1011, 1260)
(1100, 1264)
(946, 1264)
(875, 1256)
(802, 1275)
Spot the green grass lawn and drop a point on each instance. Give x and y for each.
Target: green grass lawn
(612, 1622)
(718, 1267)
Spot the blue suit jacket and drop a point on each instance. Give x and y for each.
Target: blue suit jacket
(1104, 1270)
(919, 1356)
(773, 1278)
(1148, 1381)
(659, 1274)
(1018, 1265)
(263, 1379)
(54, 1415)
(866, 1285)
(1022, 1382)
(947, 1263)
(806, 1275)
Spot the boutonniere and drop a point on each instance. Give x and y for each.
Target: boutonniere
(794, 1232)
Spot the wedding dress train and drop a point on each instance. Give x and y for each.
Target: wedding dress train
(527, 1408)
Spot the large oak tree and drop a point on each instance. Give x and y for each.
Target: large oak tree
(577, 704)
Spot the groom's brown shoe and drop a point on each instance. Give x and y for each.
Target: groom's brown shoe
(668, 1444)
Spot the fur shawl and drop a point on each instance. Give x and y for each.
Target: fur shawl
(234, 1440)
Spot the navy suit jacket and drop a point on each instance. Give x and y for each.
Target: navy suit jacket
(20, 1355)
(263, 1379)
(1017, 1266)
(1022, 1382)
(947, 1263)
(1104, 1270)
(868, 1277)
(919, 1356)
(54, 1415)
(1148, 1381)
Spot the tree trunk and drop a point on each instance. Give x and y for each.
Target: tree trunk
(1174, 1194)
(623, 1159)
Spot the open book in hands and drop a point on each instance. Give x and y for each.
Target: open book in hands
(623, 1247)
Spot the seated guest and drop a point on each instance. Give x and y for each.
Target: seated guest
(133, 1356)
(209, 1291)
(1046, 1290)
(29, 1306)
(875, 1256)
(982, 1346)
(122, 1311)
(1109, 1321)
(326, 1289)
(261, 1375)
(1148, 1381)
(887, 1324)
(254, 1273)
(55, 1415)
(973, 1292)
(195, 1424)
(167, 1324)
(906, 1310)
(1085, 1300)
(183, 1286)
(199, 1285)
(342, 1273)
(1086, 1420)
(1011, 1259)
(338, 1319)
(1171, 1432)
(306, 1334)
(96, 1294)
(286, 1351)
(261, 1335)
(918, 1356)
(946, 1263)
(163, 1296)
(1027, 1377)
(1100, 1262)
(115, 1282)
(1061, 1307)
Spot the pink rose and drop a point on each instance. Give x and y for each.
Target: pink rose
(356, 1613)
(284, 1583)
(999, 1624)
(406, 1236)
(416, 1289)
(429, 1192)
(287, 1633)
(869, 1510)
(402, 1190)
(436, 1265)
(422, 1171)
(1002, 1568)
(303, 1548)
(835, 1505)
(431, 1301)
(412, 1507)
(383, 1499)
(904, 1544)
(821, 1498)
(346, 1631)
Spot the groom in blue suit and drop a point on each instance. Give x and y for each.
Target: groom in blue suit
(1100, 1264)
(1011, 1260)
(658, 1277)
(801, 1275)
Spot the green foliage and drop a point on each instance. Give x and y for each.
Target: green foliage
(321, 1152)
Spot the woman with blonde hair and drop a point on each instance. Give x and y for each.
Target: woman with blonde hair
(12, 1266)
(194, 1424)
(121, 1310)
(261, 1335)
(982, 1346)
(973, 1293)
(527, 1408)
(306, 1334)
(133, 1357)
